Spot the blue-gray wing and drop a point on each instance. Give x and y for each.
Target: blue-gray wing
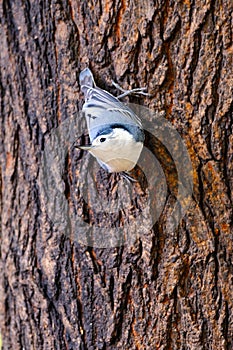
(103, 109)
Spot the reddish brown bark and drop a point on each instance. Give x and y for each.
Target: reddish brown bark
(169, 289)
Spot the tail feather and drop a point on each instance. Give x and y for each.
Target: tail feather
(86, 80)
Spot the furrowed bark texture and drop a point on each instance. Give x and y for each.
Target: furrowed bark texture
(170, 289)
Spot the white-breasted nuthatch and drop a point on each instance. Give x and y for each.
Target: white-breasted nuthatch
(115, 131)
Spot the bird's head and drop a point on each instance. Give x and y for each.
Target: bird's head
(116, 147)
(110, 140)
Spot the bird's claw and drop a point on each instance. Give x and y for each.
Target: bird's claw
(136, 91)
(127, 177)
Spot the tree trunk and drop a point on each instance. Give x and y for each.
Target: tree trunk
(73, 274)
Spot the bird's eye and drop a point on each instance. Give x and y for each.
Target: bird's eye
(102, 139)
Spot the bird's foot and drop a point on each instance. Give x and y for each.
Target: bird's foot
(127, 177)
(136, 91)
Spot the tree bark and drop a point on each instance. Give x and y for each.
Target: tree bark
(169, 288)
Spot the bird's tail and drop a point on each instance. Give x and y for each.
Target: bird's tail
(86, 80)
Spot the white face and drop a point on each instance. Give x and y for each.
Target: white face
(116, 139)
(102, 141)
(118, 150)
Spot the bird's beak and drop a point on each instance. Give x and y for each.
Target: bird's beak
(85, 148)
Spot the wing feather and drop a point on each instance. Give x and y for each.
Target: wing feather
(101, 99)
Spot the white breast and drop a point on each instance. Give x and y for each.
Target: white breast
(120, 153)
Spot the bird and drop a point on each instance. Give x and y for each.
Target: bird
(115, 131)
